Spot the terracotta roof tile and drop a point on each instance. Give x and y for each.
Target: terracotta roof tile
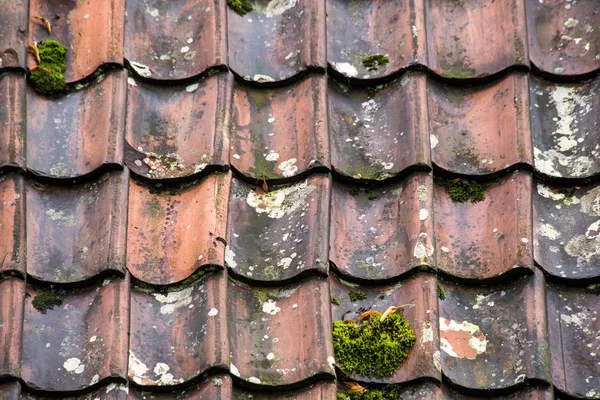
(79, 342)
(357, 30)
(66, 139)
(563, 37)
(177, 336)
(378, 133)
(244, 174)
(488, 238)
(280, 133)
(494, 337)
(12, 115)
(565, 120)
(175, 231)
(384, 232)
(481, 129)
(90, 218)
(276, 236)
(176, 39)
(282, 332)
(567, 231)
(419, 294)
(92, 33)
(276, 41)
(177, 131)
(464, 38)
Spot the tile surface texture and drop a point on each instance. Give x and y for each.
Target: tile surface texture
(219, 186)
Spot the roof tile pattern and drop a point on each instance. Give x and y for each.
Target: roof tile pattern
(200, 205)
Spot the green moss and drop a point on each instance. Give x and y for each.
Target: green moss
(241, 7)
(357, 295)
(375, 61)
(458, 70)
(373, 348)
(594, 288)
(389, 392)
(441, 292)
(46, 300)
(462, 190)
(48, 78)
(334, 301)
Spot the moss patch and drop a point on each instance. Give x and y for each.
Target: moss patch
(46, 300)
(441, 292)
(357, 295)
(241, 7)
(375, 61)
(461, 190)
(334, 301)
(48, 78)
(388, 393)
(373, 348)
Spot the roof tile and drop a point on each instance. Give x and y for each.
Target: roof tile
(384, 232)
(65, 139)
(179, 130)
(177, 335)
(379, 132)
(455, 32)
(394, 29)
(321, 391)
(215, 388)
(565, 120)
(481, 129)
(12, 116)
(564, 38)
(13, 34)
(12, 223)
(175, 231)
(280, 133)
(12, 293)
(278, 40)
(90, 220)
(176, 39)
(489, 238)
(494, 337)
(283, 331)
(567, 231)
(573, 327)
(93, 33)
(276, 236)
(418, 296)
(78, 343)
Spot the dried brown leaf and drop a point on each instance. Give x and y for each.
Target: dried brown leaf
(393, 309)
(354, 387)
(367, 314)
(44, 21)
(34, 50)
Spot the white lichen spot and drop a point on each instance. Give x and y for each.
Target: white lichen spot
(346, 69)
(234, 371)
(427, 333)
(200, 168)
(546, 192)
(461, 339)
(236, 156)
(137, 369)
(230, 258)
(161, 368)
(278, 203)
(173, 300)
(584, 248)
(590, 203)
(433, 141)
(288, 168)
(272, 156)
(131, 81)
(278, 7)
(437, 360)
(414, 31)
(548, 231)
(262, 78)
(593, 231)
(254, 379)
(74, 365)
(423, 248)
(63, 217)
(185, 49)
(331, 362)
(445, 249)
(212, 312)
(141, 69)
(270, 356)
(285, 262)
(422, 193)
(191, 88)
(571, 23)
(95, 379)
(93, 339)
(154, 12)
(270, 307)
(423, 214)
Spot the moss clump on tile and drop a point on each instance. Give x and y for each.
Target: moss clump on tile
(46, 300)
(357, 295)
(334, 301)
(375, 61)
(241, 7)
(441, 292)
(461, 190)
(387, 393)
(48, 78)
(372, 348)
